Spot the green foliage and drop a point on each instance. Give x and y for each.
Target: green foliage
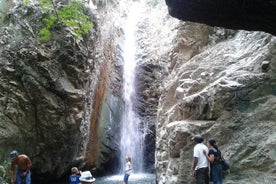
(44, 34)
(4, 174)
(46, 5)
(49, 21)
(70, 15)
(26, 2)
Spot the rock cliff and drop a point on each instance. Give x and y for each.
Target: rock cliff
(61, 101)
(221, 85)
(46, 92)
(225, 91)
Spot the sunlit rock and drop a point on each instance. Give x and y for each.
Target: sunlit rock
(229, 92)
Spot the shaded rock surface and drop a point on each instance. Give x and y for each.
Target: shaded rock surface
(45, 94)
(258, 15)
(68, 93)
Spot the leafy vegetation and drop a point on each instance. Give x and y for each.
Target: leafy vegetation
(70, 15)
(4, 176)
(26, 2)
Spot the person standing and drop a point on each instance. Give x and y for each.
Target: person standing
(23, 163)
(214, 157)
(128, 170)
(200, 165)
(75, 175)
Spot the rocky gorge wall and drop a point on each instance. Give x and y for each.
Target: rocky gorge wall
(193, 79)
(225, 90)
(221, 85)
(61, 99)
(46, 92)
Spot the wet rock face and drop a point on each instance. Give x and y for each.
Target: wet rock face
(258, 15)
(148, 92)
(45, 96)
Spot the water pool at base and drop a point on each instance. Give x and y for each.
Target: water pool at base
(133, 179)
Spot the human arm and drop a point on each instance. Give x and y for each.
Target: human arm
(12, 171)
(195, 161)
(210, 156)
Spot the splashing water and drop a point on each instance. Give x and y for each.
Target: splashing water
(132, 137)
(134, 179)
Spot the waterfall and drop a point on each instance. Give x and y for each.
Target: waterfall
(132, 135)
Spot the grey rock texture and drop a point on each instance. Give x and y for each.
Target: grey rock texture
(4, 8)
(60, 102)
(45, 96)
(223, 92)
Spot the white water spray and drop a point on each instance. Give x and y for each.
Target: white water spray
(132, 137)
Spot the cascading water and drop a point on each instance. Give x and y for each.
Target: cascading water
(132, 136)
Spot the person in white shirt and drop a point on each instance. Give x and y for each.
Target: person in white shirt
(128, 169)
(200, 166)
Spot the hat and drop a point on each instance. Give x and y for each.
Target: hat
(197, 138)
(13, 154)
(86, 176)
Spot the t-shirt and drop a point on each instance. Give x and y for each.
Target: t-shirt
(74, 179)
(198, 152)
(128, 165)
(217, 155)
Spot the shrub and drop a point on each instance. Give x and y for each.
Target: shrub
(68, 15)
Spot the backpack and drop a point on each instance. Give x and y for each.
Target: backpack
(225, 164)
(219, 158)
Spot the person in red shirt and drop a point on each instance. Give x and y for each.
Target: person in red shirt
(23, 164)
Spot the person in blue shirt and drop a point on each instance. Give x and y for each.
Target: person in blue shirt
(75, 175)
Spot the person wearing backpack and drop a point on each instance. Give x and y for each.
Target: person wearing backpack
(23, 163)
(214, 157)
